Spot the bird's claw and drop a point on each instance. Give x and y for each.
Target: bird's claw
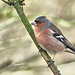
(50, 62)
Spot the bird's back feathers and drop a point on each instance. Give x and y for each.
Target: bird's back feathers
(55, 29)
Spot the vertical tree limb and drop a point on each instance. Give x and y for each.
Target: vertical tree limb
(44, 54)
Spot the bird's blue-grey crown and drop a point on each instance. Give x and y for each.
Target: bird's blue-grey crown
(43, 18)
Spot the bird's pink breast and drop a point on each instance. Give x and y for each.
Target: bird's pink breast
(48, 42)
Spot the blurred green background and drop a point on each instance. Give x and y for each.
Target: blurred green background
(18, 54)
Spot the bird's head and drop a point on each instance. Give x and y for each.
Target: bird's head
(42, 22)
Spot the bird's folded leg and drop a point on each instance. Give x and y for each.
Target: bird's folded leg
(51, 61)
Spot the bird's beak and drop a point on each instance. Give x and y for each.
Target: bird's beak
(33, 23)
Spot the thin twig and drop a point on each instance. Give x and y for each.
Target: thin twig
(6, 2)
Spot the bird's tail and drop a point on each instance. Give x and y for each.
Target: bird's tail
(71, 48)
(68, 44)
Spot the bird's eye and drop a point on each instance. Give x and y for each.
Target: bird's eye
(40, 22)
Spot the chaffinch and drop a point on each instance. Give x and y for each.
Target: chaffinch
(49, 37)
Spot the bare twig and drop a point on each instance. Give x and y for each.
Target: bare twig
(7, 2)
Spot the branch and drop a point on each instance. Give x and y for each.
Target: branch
(44, 54)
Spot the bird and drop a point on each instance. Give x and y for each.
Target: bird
(49, 36)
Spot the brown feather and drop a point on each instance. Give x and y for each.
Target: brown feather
(56, 29)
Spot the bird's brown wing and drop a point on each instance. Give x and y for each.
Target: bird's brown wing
(58, 35)
(55, 29)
